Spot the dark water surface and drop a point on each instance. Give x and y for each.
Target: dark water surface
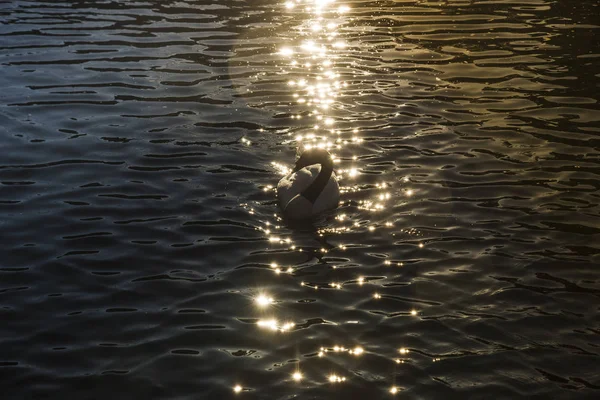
(139, 222)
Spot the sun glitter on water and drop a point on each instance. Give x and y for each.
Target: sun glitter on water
(263, 300)
(316, 82)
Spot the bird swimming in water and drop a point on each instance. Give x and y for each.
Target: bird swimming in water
(311, 188)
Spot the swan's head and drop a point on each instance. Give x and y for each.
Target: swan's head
(313, 156)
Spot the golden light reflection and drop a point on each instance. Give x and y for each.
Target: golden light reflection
(237, 388)
(273, 325)
(356, 351)
(315, 77)
(263, 300)
(283, 169)
(316, 72)
(333, 378)
(287, 326)
(268, 324)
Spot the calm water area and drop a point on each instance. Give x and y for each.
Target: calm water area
(144, 255)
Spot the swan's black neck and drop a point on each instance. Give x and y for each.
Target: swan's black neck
(312, 192)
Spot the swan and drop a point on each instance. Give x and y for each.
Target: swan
(311, 188)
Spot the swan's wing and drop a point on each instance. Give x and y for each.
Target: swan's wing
(299, 208)
(329, 197)
(293, 184)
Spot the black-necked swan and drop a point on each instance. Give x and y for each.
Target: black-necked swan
(311, 188)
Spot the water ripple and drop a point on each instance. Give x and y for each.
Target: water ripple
(141, 144)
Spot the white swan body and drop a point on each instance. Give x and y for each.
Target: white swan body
(311, 188)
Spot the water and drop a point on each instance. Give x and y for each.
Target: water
(139, 222)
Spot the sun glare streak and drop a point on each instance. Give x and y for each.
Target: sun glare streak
(318, 79)
(316, 72)
(318, 83)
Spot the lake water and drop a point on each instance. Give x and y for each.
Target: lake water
(143, 251)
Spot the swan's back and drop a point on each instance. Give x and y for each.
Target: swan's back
(295, 183)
